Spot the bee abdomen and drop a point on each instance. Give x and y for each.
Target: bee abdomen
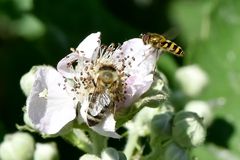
(94, 120)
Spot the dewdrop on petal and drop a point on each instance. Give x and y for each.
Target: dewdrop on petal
(188, 130)
(203, 109)
(192, 79)
(17, 146)
(47, 151)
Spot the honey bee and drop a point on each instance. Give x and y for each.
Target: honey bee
(107, 92)
(160, 42)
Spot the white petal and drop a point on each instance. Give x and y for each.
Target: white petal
(107, 127)
(51, 113)
(89, 45)
(83, 110)
(64, 68)
(85, 50)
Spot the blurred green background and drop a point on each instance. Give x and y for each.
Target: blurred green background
(34, 32)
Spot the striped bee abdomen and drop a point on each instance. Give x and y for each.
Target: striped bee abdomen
(94, 120)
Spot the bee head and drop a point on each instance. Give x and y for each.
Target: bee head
(107, 76)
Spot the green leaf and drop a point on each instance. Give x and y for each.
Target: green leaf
(211, 30)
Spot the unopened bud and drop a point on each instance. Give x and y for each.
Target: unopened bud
(203, 109)
(188, 130)
(47, 151)
(17, 146)
(27, 80)
(142, 121)
(192, 79)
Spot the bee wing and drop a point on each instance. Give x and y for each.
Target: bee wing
(102, 100)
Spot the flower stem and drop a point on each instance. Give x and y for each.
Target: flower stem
(79, 139)
(131, 144)
(98, 143)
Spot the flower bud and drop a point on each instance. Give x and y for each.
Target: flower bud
(203, 109)
(89, 157)
(192, 79)
(27, 80)
(47, 151)
(17, 146)
(112, 154)
(161, 125)
(175, 152)
(188, 130)
(141, 123)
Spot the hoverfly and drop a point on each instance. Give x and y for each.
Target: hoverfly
(160, 42)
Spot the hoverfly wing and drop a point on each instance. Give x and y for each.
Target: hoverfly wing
(171, 33)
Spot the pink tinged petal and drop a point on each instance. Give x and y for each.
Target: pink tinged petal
(145, 57)
(141, 69)
(51, 113)
(107, 127)
(136, 87)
